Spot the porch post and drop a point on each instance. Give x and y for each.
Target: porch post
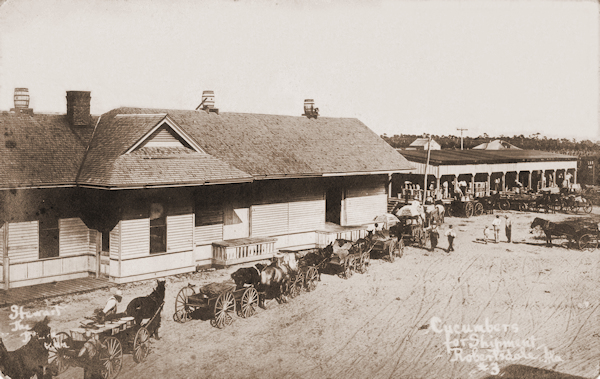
(6, 259)
(489, 184)
(473, 184)
(575, 176)
(503, 181)
(389, 186)
(98, 253)
(529, 181)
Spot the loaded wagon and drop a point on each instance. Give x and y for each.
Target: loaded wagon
(465, 207)
(219, 300)
(105, 344)
(348, 257)
(411, 228)
(308, 274)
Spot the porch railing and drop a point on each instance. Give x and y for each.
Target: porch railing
(230, 252)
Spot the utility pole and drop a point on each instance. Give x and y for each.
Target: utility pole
(461, 136)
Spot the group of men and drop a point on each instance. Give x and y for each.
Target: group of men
(496, 224)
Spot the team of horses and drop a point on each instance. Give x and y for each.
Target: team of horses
(271, 281)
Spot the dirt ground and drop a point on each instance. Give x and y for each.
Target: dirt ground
(539, 303)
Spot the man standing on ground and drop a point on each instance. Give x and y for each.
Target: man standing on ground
(451, 236)
(496, 224)
(433, 237)
(508, 228)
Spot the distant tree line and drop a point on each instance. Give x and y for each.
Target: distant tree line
(586, 150)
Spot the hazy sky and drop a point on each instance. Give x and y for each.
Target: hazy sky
(496, 67)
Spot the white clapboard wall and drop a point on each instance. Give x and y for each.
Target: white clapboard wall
(135, 238)
(180, 233)
(73, 237)
(365, 201)
(209, 226)
(23, 240)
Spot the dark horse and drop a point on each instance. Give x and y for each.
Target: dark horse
(31, 359)
(247, 276)
(146, 307)
(554, 229)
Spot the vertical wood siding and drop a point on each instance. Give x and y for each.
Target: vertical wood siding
(2, 241)
(23, 245)
(180, 233)
(73, 237)
(115, 237)
(135, 238)
(269, 219)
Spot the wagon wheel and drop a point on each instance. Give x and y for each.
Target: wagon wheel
(224, 305)
(563, 204)
(478, 209)
(311, 278)
(111, 358)
(141, 345)
(469, 209)
(182, 307)
(61, 342)
(587, 206)
(504, 204)
(400, 247)
(574, 207)
(297, 285)
(588, 242)
(249, 302)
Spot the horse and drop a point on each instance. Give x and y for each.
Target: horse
(31, 359)
(247, 276)
(275, 278)
(146, 307)
(554, 229)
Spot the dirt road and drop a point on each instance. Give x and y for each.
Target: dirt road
(539, 303)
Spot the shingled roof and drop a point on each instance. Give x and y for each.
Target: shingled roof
(237, 146)
(43, 150)
(109, 164)
(39, 150)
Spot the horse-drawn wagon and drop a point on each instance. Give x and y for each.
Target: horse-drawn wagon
(584, 236)
(575, 203)
(308, 274)
(411, 227)
(348, 257)
(220, 300)
(99, 347)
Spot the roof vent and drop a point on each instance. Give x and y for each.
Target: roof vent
(22, 101)
(208, 102)
(309, 109)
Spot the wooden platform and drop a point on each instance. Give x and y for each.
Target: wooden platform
(23, 295)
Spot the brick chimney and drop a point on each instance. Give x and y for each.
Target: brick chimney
(78, 108)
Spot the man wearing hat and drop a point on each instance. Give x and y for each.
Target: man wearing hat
(110, 309)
